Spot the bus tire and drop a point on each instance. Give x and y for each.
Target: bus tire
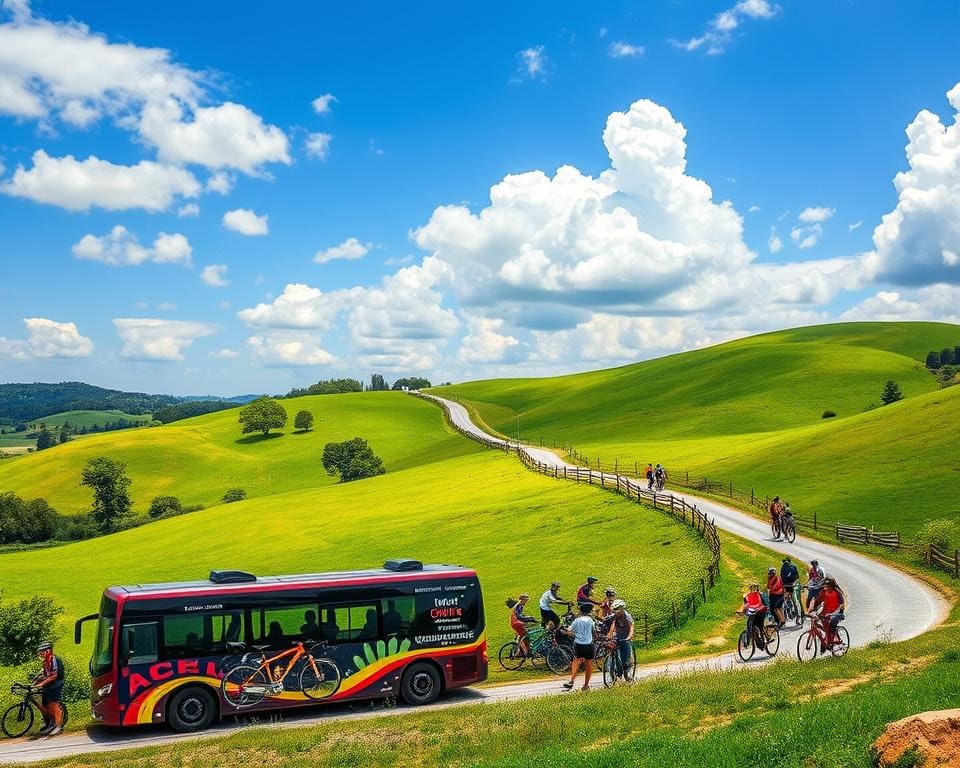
(191, 708)
(421, 684)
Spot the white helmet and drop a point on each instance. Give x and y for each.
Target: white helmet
(619, 605)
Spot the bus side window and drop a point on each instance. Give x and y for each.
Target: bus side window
(138, 643)
(398, 615)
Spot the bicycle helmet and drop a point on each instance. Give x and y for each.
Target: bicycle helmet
(771, 569)
(555, 585)
(610, 592)
(523, 596)
(592, 579)
(619, 605)
(46, 645)
(786, 560)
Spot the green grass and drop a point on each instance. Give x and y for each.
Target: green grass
(748, 412)
(198, 459)
(89, 418)
(825, 714)
(518, 529)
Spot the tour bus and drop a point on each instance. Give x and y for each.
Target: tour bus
(187, 653)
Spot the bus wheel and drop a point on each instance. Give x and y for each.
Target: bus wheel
(191, 709)
(421, 684)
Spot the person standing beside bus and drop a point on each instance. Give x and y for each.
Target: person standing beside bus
(50, 684)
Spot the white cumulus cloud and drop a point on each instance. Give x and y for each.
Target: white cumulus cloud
(484, 342)
(120, 248)
(79, 185)
(533, 63)
(290, 348)
(226, 353)
(323, 103)
(722, 27)
(215, 275)
(188, 210)
(775, 244)
(47, 339)
(317, 145)
(157, 339)
(246, 222)
(349, 249)
(622, 50)
(815, 214)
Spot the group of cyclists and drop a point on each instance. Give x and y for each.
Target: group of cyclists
(825, 601)
(656, 477)
(607, 620)
(781, 518)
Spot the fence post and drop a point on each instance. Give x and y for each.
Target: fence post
(687, 472)
(646, 629)
(837, 528)
(731, 490)
(636, 468)
(929, 554)
(616, 466)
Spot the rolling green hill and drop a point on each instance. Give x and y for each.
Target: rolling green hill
(749, 412)
(198, 459)
(89, 418)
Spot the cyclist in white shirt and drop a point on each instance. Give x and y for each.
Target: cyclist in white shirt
(582, 630)
(549, 599)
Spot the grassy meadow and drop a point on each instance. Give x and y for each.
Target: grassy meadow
(198, 459)
(749, 412)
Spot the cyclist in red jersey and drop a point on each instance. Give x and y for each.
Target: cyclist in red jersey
(831, 603)
(519, 621)
(754, 608)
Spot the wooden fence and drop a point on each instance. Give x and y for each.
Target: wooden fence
(651, 623)
(944, 561)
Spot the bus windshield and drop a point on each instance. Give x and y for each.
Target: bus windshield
(102, 660)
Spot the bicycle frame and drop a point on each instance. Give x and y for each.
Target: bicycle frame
(297, 652)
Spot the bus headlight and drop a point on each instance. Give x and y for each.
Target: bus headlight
(105, 691)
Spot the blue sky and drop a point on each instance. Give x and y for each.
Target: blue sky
(695, 138)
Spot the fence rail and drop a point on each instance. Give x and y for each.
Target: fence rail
(648, 625)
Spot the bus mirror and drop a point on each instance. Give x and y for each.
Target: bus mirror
(78, 626)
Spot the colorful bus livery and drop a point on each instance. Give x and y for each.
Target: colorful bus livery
(161, 651)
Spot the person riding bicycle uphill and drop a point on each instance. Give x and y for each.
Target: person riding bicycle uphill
(585, 592)
(660, 476)
(776, 510)
(815, 580)
(775, 595)
(753, 608)
(790, 576)
(547, 600)
(519, 621)
(831, 603)
(621, 632)
(50, 684)
(649, 475)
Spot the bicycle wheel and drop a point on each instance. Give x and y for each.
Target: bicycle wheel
(808, 645)
(775, 528)
(559, 659)
(245, 686)
(599, 655)
(319, 679)
(745, 646)
(842, 644)
(791, 533)
(17, 720)
(511, 656)
(771, 636)
(612, 669)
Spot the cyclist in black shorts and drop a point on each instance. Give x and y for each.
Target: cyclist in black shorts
(50, 684)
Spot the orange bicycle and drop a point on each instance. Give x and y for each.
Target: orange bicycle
(246, 684)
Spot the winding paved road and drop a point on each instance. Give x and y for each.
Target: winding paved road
(884, 604)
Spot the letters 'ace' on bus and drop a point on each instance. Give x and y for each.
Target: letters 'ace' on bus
(188, 653)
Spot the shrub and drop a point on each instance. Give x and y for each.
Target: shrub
(165, 505)
(79, 527)
(234, 494)
(828, 415)
(303, 421)
(352, 460)
(943, 533)
(26, 522)
(23, 626)
(891, 392)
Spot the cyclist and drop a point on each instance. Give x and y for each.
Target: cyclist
(775, 595)
(519, 621)
(815, 579)
(831, 603)
(649, 474)
(583, 594)
(621, 631)
(606, 607)
(582, 630)
(660, 475)
(753, 608)
(50, 684)
(776, 509)
(790, 576)
(547, 600)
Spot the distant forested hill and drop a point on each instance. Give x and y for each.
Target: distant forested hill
(28, 402)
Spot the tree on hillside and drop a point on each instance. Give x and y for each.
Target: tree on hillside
(109, 482)
(262, 415)
(165, 505)
(65, 433)
(378, 383)
(303, 421)
(946, 356)
(26, 521)
(891, 392)
(352, 460)
(45, 439)
(23, 626)
(933, 360)
(956, 355)
(414, 382)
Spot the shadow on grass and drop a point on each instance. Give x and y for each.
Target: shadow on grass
(249, 439)
(301, 432)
